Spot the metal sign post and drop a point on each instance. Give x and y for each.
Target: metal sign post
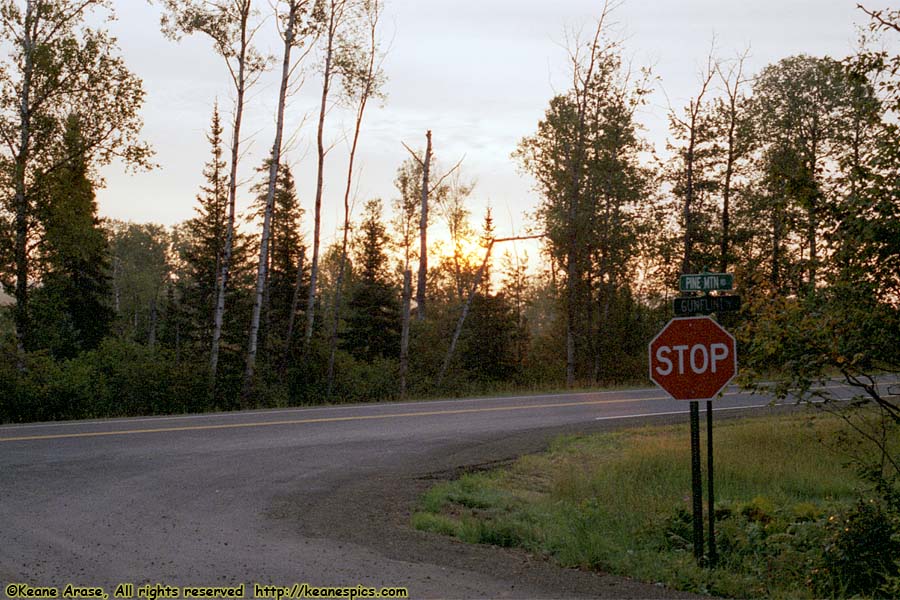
(713, 554)
(696, 482)
(694, 358)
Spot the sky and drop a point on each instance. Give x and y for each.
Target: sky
(478, 73)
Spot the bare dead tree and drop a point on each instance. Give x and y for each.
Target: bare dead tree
(427, 190)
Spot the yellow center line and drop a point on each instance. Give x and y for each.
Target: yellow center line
(433, 413)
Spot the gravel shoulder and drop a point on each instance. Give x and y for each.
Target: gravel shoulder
(374, 512)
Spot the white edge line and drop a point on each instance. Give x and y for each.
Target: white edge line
(684, 412)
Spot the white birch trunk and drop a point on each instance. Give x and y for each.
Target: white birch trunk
(222, 277)
(262, 270)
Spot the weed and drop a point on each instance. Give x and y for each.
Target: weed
(620, 502)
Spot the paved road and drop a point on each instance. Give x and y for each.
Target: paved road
(318, 495)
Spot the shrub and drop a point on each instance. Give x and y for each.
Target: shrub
(120, 378)
(862, 553)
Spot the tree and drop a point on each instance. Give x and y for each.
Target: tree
(228, 23)
(846, 318)
(75, 254)
(333, 15)
(500, 313)
(408, 182)
(799, 108)
(200, 245)
(141, 271)
(285, 253)
(373, 325)
(298, 24)
(204, 253)
(451, 206)
(53, 62)
(691, 177)
(730, 116)
(515, 282)
(360, 65)
(584, 159)
(426, 190)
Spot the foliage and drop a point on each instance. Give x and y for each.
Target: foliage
(861, 552)
(55, 67)
(787, 521)
(119, 378)
(71, 310)
(140, 273)
(373, 324)
(584, 158)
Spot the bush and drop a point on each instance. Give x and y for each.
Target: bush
(118, 379)
(862, 554)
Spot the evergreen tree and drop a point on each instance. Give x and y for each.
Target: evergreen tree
(488, 233)
(75, 289)
(53, 62)
(204, 245)
(286, 250)
(373, 327)
(515, 284)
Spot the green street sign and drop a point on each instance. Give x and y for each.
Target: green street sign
(706, 305)
(706, 282)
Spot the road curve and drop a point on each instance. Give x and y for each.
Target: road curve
(318, 495)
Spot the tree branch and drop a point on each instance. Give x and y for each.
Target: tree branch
(876, 14)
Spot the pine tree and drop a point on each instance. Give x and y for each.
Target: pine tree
(488, 232)
(201, 244)
(75, 292)
(286, 249)
(373, 327)
(206, 239)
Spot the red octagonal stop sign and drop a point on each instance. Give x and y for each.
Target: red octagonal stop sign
(693, 358)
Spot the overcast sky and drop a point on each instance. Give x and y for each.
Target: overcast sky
(479, 73)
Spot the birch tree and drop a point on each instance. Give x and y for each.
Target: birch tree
(333, 14)
(231, 27)
(53, 65)
(298, 24)
(359, 63)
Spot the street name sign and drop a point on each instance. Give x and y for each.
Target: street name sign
(705, 282)
(706, 305)
(693, 358)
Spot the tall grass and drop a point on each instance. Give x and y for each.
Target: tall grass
(620, 502)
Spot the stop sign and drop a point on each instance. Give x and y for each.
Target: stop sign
(693, 358)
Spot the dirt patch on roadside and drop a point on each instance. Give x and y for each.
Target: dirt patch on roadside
(374, 511)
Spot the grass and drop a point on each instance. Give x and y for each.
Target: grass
(620, 502)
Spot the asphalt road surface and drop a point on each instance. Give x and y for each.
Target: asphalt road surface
(315, 495)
